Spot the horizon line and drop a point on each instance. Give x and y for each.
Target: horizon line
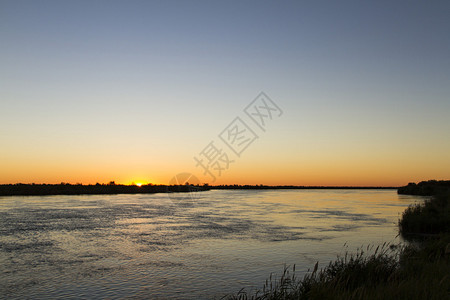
(212, 186)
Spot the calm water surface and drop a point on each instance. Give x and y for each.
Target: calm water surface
(153, 246)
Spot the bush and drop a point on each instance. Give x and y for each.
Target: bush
(430, 217)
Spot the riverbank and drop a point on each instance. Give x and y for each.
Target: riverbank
(425, 188)
(97, 189)
(111, 188)
(416, 271)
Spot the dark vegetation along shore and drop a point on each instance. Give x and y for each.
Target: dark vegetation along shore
(426, 188)
(21, 189)
(80, 189)
(418, 270)
(295, 187)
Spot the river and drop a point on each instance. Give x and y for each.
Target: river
(199, 246)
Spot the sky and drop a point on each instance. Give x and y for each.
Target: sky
(356, 92)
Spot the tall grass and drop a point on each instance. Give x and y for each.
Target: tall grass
(390, 273)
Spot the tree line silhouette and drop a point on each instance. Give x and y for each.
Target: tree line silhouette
(426, 188)
(21, 189)
(63, 188)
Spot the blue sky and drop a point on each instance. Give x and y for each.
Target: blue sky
(92, 90)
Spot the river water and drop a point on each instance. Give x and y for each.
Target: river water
(200, 246)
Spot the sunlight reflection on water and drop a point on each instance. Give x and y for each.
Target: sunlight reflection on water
(140, 246)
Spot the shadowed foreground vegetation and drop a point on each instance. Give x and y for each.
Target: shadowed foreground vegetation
(417, 271)
(427, 218)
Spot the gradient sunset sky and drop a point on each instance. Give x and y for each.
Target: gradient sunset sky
(132, 91)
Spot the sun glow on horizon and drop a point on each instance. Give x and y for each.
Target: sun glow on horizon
(138, 183)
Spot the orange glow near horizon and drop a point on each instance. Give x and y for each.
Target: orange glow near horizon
(256, 166)
(244, 172)
(135, 182)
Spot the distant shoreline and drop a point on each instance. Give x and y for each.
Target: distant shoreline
(426, 188)
(295, 187)
(97, 189)
(114, 189)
